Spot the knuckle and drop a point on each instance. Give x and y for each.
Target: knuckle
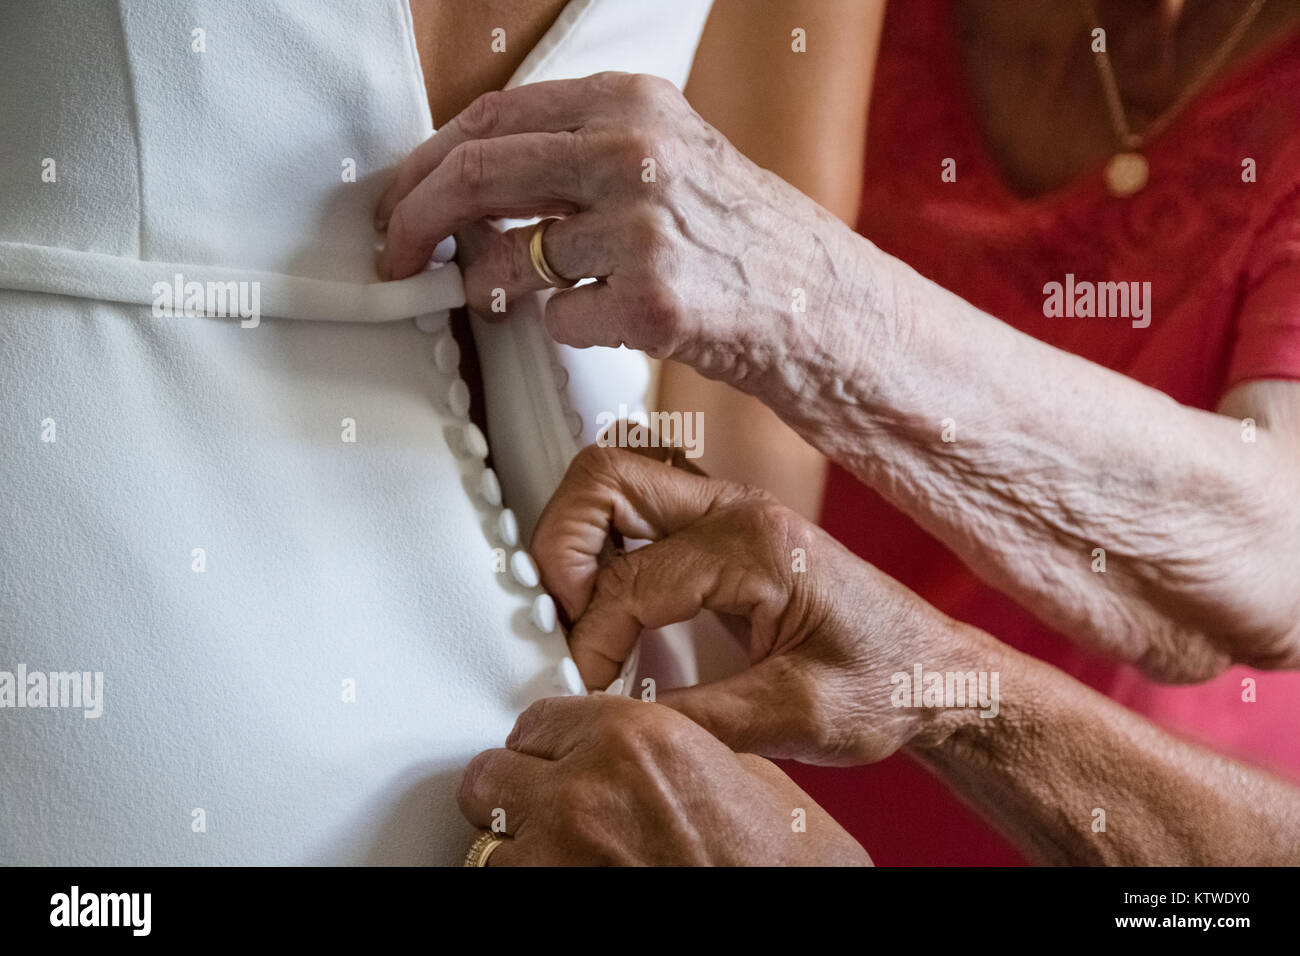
(534, 716)
(771, 515)
(617, 158)
(651, 235)
(668, 728)
(761, 510)
(635, 731)
(474, 782)
(481, 117)
(625, 732)
(661, 308)
(467, 164)
(644, 740)
(634, 147)
(595, 463)
(607, 82)
(617, 579)
(648, 89)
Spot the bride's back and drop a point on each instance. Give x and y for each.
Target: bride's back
(275, 540)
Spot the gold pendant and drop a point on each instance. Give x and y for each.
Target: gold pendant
(1126, 173)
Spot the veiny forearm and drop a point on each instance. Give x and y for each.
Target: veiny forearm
(1058, 752)
(745, 83)
(1025, 459)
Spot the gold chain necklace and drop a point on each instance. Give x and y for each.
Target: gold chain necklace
(1126, 172)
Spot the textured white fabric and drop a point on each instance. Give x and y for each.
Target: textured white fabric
(28, 268)
(326, 561)
(547, 396)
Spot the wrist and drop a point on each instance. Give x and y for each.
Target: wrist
(955, 690)
(819, 312)
(833, 354)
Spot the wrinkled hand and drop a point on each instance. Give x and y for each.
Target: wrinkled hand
(699, 253)
(824, 642)
(609, 780)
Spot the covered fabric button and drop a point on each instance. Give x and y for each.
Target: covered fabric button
(474, 441)
(431, 322)
(458, 398)
(508, 528)
(567, 678)
(446, 354)
(524, 569)
(575, 423)
(544, 617)
(444, 251)
(490, 488)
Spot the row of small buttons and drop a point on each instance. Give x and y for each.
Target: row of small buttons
(473, 444)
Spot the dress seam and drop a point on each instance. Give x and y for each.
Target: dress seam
(129, 75)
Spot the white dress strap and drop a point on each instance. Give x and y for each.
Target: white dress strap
(92, 275)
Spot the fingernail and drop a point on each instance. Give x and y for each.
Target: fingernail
(616, 687)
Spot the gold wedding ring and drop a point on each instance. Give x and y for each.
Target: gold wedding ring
(482, 848)
(538, 258)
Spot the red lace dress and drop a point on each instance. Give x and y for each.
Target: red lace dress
(1223, 258)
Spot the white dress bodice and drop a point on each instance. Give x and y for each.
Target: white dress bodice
(277, 543)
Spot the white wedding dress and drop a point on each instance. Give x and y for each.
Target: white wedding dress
(277, 543)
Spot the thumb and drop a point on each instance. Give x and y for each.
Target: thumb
(662, 583)
(766, 709)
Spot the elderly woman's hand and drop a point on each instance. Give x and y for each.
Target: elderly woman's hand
(604, 779)
(826, 632)
(701, 255)
(1152, 532)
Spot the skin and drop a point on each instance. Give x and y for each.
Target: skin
(1036, 93)
(824, 643)
(454, 40)
(1207, 578)
(748, 85)
(596, 781)
(454, 44)
(878, 359)
(741, 84)
(1034, 83)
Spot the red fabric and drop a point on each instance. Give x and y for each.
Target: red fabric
(1223, 257)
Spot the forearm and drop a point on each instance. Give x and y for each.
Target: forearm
(1025, 460)
(747, 82)
(1073, 778)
